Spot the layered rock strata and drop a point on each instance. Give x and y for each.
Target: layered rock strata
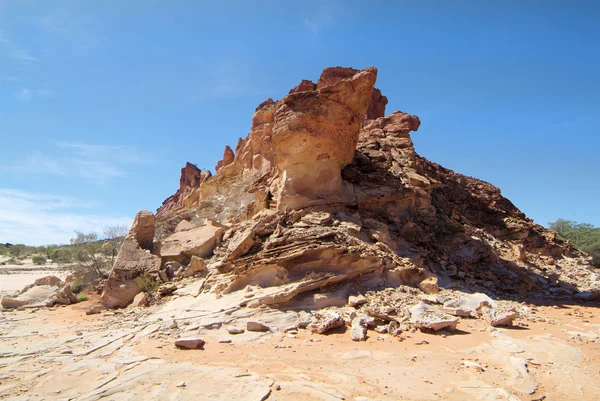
(326, 194)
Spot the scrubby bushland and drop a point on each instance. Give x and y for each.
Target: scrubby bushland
(584, 236)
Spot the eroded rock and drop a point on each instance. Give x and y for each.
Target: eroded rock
(134, 260)
(46, 291)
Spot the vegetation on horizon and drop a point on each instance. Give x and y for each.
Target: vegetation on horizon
(88, 251)
(584, 236)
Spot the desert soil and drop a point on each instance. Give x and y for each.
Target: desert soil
(14, 277)
(63, 354)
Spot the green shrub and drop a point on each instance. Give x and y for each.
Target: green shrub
(75, 288)
(38, 259)
(584, 236)
(82, 297)
(146, 282)
(61, 255)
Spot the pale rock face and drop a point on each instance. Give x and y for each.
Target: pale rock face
(315, 135)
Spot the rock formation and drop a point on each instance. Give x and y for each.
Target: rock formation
(326, 195)
(46, 291)
(134, 259)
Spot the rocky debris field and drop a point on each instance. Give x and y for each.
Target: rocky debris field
(208, 348)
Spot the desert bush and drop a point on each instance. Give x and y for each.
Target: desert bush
(584, 236)
(88, 252)
(38, 259)
(82, 297)
(146, 282)
(61, 255)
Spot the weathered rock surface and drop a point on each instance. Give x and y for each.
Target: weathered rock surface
(134, 259)
(199, 241)
(46, 291)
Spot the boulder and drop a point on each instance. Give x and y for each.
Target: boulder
(235, 330)
(199, 241)
(45, 291)
(424, 316)
(94, 310)
(195, 266)
(357, 300)
(468, 305)
(140, 300)
(429, 285)
(256, 326)
(190, 343)
(134, 259)
(358, 328)
(325, 321)
(498, 317)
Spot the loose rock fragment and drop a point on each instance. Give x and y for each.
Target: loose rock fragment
(357, 300)
(424, 316)
(235, 330)
(326, 321)
(358, 329)
(190, 343)
(497, 317)
(257, 326)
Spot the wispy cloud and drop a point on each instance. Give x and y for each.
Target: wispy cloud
(23, 94)
(15, 51)
(11, 78)
(37, 219)
(322, 18)
(27, 94)
(98, 164)
(52, 23)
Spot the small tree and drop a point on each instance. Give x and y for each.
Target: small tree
(87, 251)
(115, 236)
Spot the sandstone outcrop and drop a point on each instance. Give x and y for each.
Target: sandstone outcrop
(134, 259)
(326, 197)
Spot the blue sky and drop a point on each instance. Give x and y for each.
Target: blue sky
(102, 102)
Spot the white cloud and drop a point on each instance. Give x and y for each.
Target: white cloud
(15, 51)
(38, 219)
(98, 164)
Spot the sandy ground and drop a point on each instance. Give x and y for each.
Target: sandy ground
(14, 277)
(60, 353)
